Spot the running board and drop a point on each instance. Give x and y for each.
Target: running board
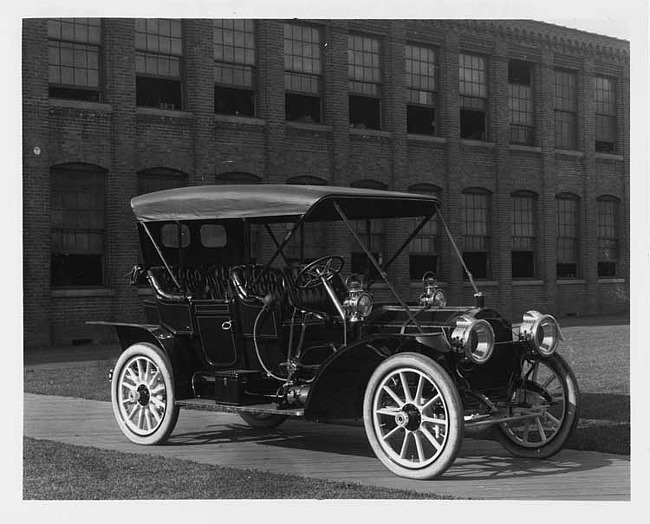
(205, 404)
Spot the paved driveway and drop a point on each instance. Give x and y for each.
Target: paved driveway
(482, 470)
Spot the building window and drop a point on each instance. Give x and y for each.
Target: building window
(607, 236)
(473, 97)
(74, 51)
(77, 200)
(302, 73)
(364, 74)
(372, 234)
(476, 220)
(568, 248)
(421, 76)
(566, 120)
(234, 67)
(605, 115)
(424, 252)
(256, 232)
(524, 220)
(237, 177)
(160, 178)
(521, 102)
(158, 55)
(308, 243)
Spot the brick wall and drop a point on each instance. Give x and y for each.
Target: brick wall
(123, 138)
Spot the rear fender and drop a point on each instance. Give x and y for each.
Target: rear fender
(178, 349)
(339, 387)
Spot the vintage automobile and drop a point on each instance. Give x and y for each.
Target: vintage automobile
(286, 338)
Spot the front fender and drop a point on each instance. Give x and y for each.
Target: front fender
(339, 387)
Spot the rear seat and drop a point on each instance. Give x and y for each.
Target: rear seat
(198, 282)
(251, 283)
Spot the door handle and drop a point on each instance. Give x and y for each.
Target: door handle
(227, 325)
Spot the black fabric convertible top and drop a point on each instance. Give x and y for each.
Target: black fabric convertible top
(277, 203)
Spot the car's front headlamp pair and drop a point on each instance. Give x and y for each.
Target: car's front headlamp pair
(542, 331)
(474, 337)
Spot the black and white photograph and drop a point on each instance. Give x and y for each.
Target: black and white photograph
(332, 256)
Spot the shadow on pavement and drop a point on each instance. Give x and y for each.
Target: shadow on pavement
(477, 460)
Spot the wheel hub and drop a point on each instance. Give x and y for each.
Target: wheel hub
(409, 417)
(143, 395)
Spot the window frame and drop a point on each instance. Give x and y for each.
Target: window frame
(525, 98)
(238, 90)
(76, 91)
(605, 117)
(608, 241)
(69, 187)
(571, 242)
(565, 107)
(418, 84)
(372, 232)
(310, 236)
(522, 243)
(160, 178)
(430, 234)
(143, 76)
(470, 214)
(316, 96)
(371, 77)
(473, 106)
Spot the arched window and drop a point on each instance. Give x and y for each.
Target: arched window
(476, 221)
(159, 178)
(608, 222)
(77, 203)
(373, 235)
(524, 233)
(425, 247)
(308, 243)
(307, 180)
(568, 236)
(237, 177)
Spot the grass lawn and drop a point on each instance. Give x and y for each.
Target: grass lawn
(57, 471)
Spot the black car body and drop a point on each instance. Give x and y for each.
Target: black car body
(282, 339)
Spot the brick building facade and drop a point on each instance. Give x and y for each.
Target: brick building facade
(521, 127)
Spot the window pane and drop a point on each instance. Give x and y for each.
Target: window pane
(77, 203)
(74, 57)
(363, 64)
(568, 253)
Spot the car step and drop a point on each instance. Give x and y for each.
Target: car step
(206, 404)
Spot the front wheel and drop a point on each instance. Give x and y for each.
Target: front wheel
(413, 416)
(142, 393)
(549, 390)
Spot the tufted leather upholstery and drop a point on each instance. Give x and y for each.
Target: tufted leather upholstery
(217, 283)
(163, 284)
(254, 282)
(197, 282)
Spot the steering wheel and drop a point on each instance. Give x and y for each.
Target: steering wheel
(312, 274)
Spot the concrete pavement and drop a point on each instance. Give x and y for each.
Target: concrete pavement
(483, 470)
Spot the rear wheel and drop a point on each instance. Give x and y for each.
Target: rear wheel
(548, 388)
(262, 420)
(142, 393)
(413, 416)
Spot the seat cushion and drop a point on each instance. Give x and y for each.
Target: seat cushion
(253, 283)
